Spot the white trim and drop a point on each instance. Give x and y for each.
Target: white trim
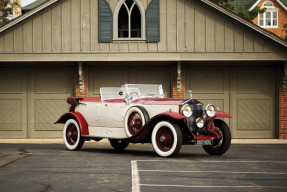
(115, 21)
(280, 3)
(271, 18)
(254, 5)
(28, 14)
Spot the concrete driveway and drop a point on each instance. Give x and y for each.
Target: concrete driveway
(46, 166)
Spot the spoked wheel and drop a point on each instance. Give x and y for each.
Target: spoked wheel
(72, 135)
(119, 145)
(166, 138)
(135, 118)
(219, 147)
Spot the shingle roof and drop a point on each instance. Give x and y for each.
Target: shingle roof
(246, 4)
(33, 5)
(284, 2)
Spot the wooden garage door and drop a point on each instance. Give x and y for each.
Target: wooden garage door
(115, 76)
(13, 103)
(31, 101)
(246, 92)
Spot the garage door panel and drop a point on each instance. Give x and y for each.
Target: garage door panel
(252, 80)
(115, 76)
(11, 81)
(158, 75)
(246, 92)
(252, 101)
(206, 80)
(58, 81)
(47, 112)
(11, 115)
(112, 76)
(254, 114)
(49, 89)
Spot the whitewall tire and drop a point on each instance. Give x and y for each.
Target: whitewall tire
(135, 119)
(166, 138)
(72, 135)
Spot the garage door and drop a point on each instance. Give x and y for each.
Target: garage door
(32, 99)
(246, 92)
(115, 76)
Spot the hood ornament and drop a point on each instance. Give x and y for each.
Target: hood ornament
(190, 93)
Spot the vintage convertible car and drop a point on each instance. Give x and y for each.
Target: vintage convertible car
(137, 113)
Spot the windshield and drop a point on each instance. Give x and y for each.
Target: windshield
(131, 91)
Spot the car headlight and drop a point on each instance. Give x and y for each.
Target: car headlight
(199, 122)
(186, 110)
(210, 110)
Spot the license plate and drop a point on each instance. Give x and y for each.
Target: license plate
(204, 142)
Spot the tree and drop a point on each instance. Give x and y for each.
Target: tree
(250, 15)
(6, 10)
(246, 14)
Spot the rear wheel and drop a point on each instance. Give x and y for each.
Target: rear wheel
(72, 135)
(119, 145)
(220, 146)
(166, 138)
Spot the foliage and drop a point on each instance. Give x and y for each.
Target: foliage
(6, 10)
(246, 14)
(226, 4)
(250, 15)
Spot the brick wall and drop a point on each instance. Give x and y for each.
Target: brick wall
(85, 75)
(175, 93)
(282, 110)
(282, 19)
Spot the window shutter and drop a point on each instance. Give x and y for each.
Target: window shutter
(105, 22)
(152, 22)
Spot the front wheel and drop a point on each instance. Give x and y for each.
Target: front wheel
(72, 135)
(166, 138)
(119, 145)
(220, 146)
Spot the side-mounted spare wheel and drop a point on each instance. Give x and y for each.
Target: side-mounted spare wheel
(72, 135)
(219, 147)
(135, 119)
(166, 138)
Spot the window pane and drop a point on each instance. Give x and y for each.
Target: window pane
(129, 3)
(261, 22)
(270, 4)
(275, 22)
(268, 15)
(275, 15)
(136, 22)
(123, 23)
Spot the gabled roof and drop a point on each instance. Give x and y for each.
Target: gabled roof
(17, 20)
(246, 22)
(264, 32)
(33, 5)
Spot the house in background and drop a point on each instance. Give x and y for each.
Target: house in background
(273, 18)
(65, 48)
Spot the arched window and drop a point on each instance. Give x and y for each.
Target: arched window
(268, 4)
(129, 20)
(268, 19)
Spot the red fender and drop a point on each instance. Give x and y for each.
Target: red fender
(173, 115)
(221, 114)
(142, 134)
(79, 118)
